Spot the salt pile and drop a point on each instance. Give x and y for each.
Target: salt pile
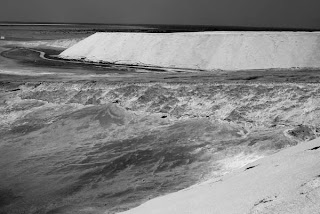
(202, 50)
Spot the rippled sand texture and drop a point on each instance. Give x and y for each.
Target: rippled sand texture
(91, 147)
(83, 135)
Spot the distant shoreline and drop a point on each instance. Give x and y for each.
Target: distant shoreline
(171, 27)
(31, 24)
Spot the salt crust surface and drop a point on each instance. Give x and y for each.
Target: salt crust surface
(202, 50)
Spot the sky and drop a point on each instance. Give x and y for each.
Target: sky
(257, 13)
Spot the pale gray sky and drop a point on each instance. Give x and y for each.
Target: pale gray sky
(270, 13)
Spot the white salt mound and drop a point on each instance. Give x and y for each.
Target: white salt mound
(203, 50)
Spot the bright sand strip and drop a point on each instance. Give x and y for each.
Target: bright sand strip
(286, 182)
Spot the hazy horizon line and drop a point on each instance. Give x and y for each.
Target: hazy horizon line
(8, 23)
